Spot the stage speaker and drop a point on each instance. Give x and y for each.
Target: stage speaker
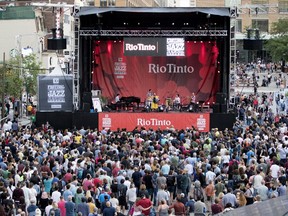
(56, 44)
(219, 108)
(87, 97)
(221, 98)
(216, 108)
(86, 107)
(252, 44)
(223, 108)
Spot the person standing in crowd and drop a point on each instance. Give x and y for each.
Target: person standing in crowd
(70, 207)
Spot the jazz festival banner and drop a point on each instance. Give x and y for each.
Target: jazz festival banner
(129, 121)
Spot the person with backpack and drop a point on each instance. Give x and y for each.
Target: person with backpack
(197, 192)
(122, 189)
(171, 181)
(250, 193)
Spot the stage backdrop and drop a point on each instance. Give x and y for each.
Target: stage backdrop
(126, 69)
(113, 121)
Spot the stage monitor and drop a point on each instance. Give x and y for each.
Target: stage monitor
(154, 46)
(55, 93)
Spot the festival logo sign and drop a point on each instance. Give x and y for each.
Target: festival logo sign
(113, 121)
(54, 93)
(154, 46)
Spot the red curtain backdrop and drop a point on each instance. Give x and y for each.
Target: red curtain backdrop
(133, 75)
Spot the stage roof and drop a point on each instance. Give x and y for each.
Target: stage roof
(112, 18)
(100, 10)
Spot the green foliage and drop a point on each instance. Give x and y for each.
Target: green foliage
(277, 46)
(280, 27)
(21, 75)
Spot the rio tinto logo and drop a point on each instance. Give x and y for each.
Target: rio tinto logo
(201, 123)
(153, 122)
(139, 47)
(106, 121)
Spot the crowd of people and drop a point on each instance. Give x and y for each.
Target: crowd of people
(89, 172)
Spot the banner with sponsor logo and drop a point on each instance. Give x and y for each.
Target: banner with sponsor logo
(55, 93)
(113, 121)
(156, 46)
(130, 71)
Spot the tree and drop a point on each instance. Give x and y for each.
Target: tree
(277, 45)
(22, 75)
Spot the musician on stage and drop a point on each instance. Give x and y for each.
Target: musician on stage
(177, 102)
(193, 101)
(149, 98)
(117, 102)
(117, 98)
(155, 101)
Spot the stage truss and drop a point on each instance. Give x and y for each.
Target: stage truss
(153, 33)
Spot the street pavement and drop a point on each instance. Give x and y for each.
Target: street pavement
(272, 87)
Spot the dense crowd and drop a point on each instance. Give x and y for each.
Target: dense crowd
(93, 172)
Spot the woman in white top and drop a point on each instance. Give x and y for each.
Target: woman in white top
(226, 158)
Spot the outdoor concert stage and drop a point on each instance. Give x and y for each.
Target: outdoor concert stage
(127, 51)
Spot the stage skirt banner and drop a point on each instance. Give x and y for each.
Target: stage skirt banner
(129, 121)
(114, 71)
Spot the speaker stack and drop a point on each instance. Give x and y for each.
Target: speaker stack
(87, 101)
(221, 103)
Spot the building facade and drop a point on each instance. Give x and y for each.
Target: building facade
(130, 3)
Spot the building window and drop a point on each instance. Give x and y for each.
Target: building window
(261, 24)
(103, 3)
(259, 1)
(238, 25)
(283, 6)
(111, 3)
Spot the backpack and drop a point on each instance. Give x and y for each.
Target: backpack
(122, 190)
(170, 180)
(80, 173)
(154, 180)
(198, 194)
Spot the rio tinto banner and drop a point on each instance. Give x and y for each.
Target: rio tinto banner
(113, 121)
(154, 46)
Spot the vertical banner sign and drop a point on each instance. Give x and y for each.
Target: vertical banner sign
(113, 121)
(55, 93)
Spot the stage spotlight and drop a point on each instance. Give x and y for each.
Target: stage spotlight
(190, 109)
(160, 109)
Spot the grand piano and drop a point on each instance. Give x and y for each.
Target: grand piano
(128, 101)
(125, 103)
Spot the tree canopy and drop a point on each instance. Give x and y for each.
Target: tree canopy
(277, 45)
(21, 75)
